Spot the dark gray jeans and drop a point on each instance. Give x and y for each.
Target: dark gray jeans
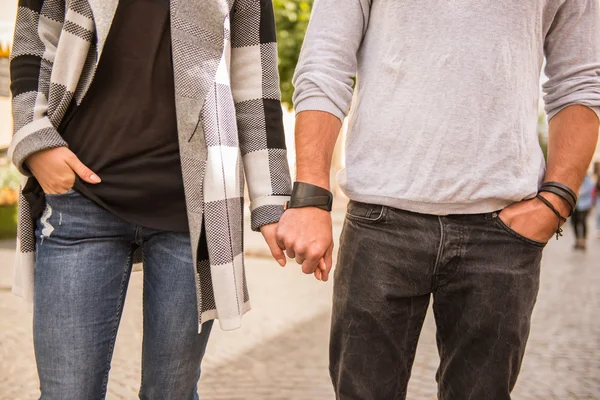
(484, 278)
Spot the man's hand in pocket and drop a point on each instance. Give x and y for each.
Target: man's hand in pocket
(533, 219)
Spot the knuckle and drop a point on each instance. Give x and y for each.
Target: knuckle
(280, 234)
(289, 244)
(83, 170)
(313, 254)
(300, 249)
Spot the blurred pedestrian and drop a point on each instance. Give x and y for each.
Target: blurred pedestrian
(584, 205)
(597, 205)
(135, 122)
(597, 201)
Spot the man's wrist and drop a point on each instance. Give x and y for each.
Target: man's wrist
(315, 182)
(309, 195)
(312, 179)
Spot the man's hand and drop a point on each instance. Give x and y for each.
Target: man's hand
(56, 169)
(533, 219)
(269, 232)
(306, 235)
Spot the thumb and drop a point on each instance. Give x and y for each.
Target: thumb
(276, 251)
(327, 263)
(82, 170)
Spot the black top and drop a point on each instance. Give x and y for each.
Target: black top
(125, 130)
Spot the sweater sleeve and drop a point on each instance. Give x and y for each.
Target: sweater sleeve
(37, 31)
(572, 50)
(255, 88)
(324, 75)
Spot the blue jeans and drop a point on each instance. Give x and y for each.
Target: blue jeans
(83, 263)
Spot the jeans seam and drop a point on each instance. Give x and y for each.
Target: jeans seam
(143, 312)
(518, 236)
(438, 259)
(367, 220)
(55, 195)
(440, 347)
(460, 250)
(116, 321)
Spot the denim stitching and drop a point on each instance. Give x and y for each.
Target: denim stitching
(116, 322)
(440, 346)
(439, 255)
(358, 218)
(459, 254)
(143, 314)
(517, 235)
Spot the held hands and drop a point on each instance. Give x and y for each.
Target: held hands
(56, 169)
(306, 235)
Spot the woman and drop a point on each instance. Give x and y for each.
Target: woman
(134, 142)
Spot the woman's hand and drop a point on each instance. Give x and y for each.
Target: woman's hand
(56, 169)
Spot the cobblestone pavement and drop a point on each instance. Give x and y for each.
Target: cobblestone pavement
(281, 352)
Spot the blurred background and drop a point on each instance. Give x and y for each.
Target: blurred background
(281, 351)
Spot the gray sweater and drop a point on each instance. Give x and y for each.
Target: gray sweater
(444, 114)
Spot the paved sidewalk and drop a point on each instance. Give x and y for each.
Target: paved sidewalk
(281, 352)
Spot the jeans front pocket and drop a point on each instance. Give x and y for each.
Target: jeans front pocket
(54, 195)
(517, 235)
(366, 213)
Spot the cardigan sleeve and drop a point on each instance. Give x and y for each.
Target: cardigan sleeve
(256, 93)
(37, 31)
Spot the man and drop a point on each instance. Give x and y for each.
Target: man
(135, 121)
(443, 167)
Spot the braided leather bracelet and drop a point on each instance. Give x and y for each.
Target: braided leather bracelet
(559, 230)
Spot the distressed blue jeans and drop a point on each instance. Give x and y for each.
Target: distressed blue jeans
(83, 264)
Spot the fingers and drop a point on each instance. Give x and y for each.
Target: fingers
(328, 262)
(81, 170)
(279, 239)
(276, 251)
(290, 252)
(311, 263)
(318, 274)
(305, 235)
(323, 269)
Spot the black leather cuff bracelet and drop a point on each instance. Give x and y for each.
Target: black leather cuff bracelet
(561, 191)
(307, 195)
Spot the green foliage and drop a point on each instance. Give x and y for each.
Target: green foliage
(543, 133)
(9, 176)
(544, 145)
(292, 18)
(9, 196)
